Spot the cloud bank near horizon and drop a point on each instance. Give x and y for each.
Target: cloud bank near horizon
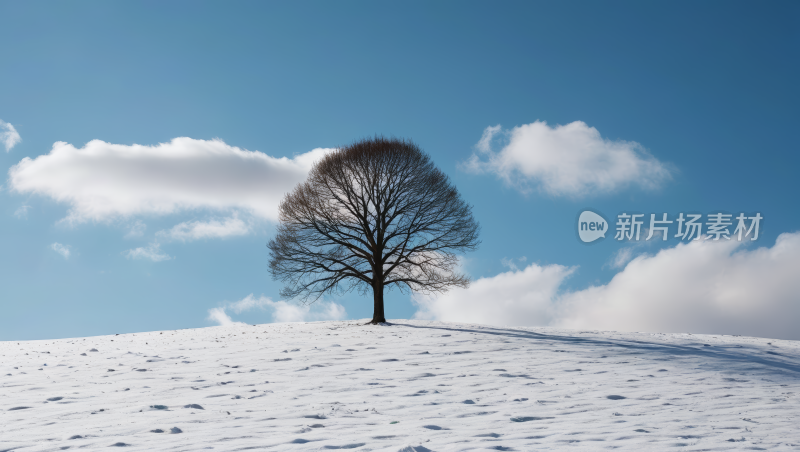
(103, 182)
(699, 287)
(571, 160)
(282, 311)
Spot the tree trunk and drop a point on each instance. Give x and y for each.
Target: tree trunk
(377, 291)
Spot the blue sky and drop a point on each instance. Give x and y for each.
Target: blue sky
(697, 101)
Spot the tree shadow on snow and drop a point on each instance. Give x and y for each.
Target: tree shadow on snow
(717, 355)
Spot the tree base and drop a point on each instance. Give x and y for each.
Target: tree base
(376, 322)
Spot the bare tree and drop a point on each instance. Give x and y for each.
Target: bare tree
(375, 214)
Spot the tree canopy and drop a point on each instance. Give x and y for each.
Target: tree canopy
(372, 215)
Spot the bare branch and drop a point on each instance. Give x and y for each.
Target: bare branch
(371, 215)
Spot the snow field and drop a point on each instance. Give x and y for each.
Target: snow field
(409, 385)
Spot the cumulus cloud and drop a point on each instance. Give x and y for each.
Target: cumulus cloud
(219, 316)
(152, 252)
(282, 311)
(699, 287)
(63, 250)
(194, 230)
(517, 297)
(571, 160)
(8, 135)
(104, 181)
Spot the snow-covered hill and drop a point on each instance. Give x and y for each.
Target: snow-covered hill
(409, 385)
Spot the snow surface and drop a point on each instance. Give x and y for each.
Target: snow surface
(406, 386)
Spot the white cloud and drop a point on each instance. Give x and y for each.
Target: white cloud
(636, 247)
(511, 264)
(104, 181)
(571, 160)
(219, 316)
(621, 257)
(151, 251)
(22, 212)
(63, 250)
(194, 230)
(514, 298)
(699, 287)
(9, 135)
(282, 311)
(136, 230)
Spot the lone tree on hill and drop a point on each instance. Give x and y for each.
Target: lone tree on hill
(372, 215)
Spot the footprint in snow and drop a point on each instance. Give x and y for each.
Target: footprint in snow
(469, 402)
(120, 445)
(54, 399)
(93, 350)
(158, 430)
(529, 418)
(488, 435)
(194, 406)
(19, 408)
(615, 397)
(75, 437)
(434, 427)
(158, 407)
(175, 430)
